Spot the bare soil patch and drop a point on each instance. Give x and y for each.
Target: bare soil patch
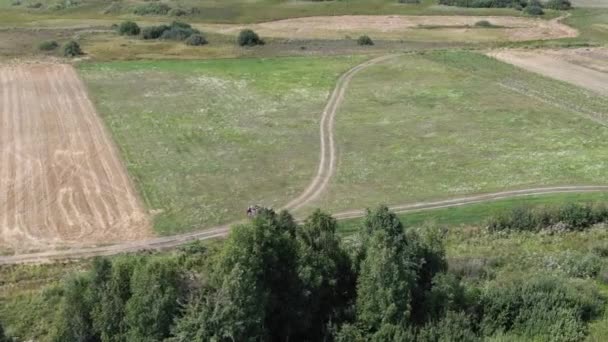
(400, 27)
(586, 67)
(62, 183)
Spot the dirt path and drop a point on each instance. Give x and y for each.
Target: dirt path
(327, 162)
(61, 180)
(222, 231)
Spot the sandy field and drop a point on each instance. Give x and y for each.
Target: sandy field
(585, 67)
(62, 183)
(402, 27)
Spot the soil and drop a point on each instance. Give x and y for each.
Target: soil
(397, 27)
(62, 183)
(585, 67)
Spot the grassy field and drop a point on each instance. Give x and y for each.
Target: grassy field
(205, 139)
(237, 11)
(442, 124)
(592, 24)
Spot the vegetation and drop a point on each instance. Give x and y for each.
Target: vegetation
(275, 280)
(365, 40)
(48, 45)
(152, 8)
(534, 8)
(483, 3)
(196, 40)
(72, 49)
(128, 28)
(561, 5)
(484, 23)
(249, 38)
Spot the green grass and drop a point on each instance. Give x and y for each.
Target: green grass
(203, 140)
(591, 23)
(444, 124)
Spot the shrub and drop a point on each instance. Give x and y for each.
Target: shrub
(177, 12)
(196, 40)
(48, 45)
(408, 1)
(560, 5)
(152, 9)
(483, 23)
(153, 32)
(16, 3)
(576, 216)
(249, 38)
(128, 28)
(534, 8)
(365, 40)
(72, 49)
(35, 5)
(575, 265)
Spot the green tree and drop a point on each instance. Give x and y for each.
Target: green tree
(248, 37)
(109, 314)
(75, 323)
(326, 274)
(154, 302)
(72, 49)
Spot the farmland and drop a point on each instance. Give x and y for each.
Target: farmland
(62, 182)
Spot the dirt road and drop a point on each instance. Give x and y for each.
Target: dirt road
(327, 162)
(61, 180)
(586, 68)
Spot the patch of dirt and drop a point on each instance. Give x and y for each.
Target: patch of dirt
(62, 183)
(585, 67)
(396, 26)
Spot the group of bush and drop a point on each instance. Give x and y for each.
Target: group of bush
(180, 31)
(531, 7)
(276, 280)
(568, 217)
(70, 49)
(159, 9)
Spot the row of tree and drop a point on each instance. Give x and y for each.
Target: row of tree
(275, 280)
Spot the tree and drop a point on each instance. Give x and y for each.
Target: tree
(154, 302)
(326, 274)
(72, 49)
(534, 8)
(560, 5)
(75, 323)
(248, 37)
(109, 314)
(128, 28)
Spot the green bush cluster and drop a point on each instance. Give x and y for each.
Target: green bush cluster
(155, 8)
(484, 23)
(531, 7)
(248, 37)
(175, 31)
(567, 217)
(408, 1)
(560, 5)
(72, 49)
(48, 45)
(128, 28)
(35, 5)
(196, 40)
(277, 280)
(365, 40)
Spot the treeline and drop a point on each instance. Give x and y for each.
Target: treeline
(528, 5)
(276, 280)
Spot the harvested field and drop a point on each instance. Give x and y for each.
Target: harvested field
(587, 68)
(408, 27)
(61, 181)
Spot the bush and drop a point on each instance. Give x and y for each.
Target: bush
(128, 28)
(481, 3)
(35, 5)
(152, 9)
(72, 49)
(484, 23)
(249, 38)
(153, 32)
(177, 12)
(196, 40)
(560, 5)
(408, 1)
(534, 8)
(16, 3)
(48, 45)
(576, 265)
(365, 40)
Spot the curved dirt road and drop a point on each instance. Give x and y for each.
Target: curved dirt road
(327, 162)
(316, 187)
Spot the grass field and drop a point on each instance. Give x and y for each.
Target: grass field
(442, 124)
(205, 139)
